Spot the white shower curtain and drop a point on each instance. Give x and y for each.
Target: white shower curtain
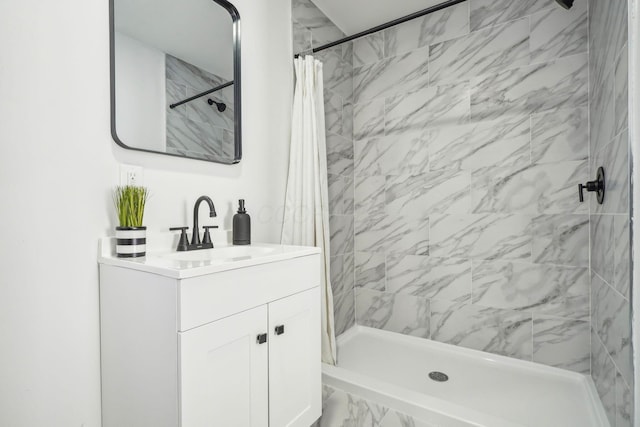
(306, 217)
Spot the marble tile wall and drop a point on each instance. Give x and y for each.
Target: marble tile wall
(197, 129)
(471, 134)
(611, 354)
(311, 28)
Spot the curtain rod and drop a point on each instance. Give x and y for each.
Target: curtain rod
(389, 24)
(201, 94)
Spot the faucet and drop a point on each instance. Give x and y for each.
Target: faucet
(195, 238)
(206, 243)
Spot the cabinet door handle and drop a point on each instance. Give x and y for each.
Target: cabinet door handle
(279, 329)
(262, 338)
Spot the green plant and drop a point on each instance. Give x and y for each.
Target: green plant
(130, 202)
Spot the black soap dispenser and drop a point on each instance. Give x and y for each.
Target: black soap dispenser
(241, 226)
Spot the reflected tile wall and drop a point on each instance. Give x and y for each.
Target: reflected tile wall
(196, 129)
(610, 260)
(470, 136)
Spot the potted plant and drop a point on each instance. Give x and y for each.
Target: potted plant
(130, 234)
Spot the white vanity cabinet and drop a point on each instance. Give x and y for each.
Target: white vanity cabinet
(231, 348)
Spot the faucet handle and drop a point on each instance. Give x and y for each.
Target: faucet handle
(183, 243)
(207, 237)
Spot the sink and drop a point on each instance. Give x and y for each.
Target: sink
(162, 257)
(222, 254)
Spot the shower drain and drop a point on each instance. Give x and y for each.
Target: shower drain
(438, 376)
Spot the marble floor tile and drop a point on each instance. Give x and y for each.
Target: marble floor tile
(436, 27)
(492, 49)
(536, 189)
(415, 197)
(408, 72)
(557, 32)
(431, 107)
(540, 289)
(491, 12)
(381, 233)
(496, 331)
(561, 239)
(370, 270)
(560, 135)
(501, 142)
(406, 314)
(392, 155)
(342, 409)
(534, 88)
(368, 119)
(480, 236)
(562, 343)
(447, 279)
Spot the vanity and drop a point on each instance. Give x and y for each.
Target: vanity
(225, 337)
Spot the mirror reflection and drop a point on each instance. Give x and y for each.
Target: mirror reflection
(175, 78)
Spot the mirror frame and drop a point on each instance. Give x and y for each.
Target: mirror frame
(235, 16)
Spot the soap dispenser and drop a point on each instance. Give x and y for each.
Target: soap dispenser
(241, 226)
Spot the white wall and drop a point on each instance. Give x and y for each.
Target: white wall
(140, 94)
(58, 165)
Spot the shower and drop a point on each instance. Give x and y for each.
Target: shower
(565, 3)
(221, 105)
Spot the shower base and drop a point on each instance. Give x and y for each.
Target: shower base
(382, 373)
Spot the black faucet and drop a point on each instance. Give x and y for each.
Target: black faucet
(195, 238)
(206, 243)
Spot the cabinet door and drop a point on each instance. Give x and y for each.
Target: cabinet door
(223, 372)
(295, 390)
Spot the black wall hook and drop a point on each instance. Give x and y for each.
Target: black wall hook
(597, 186)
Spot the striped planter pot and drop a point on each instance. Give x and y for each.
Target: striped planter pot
(131, 242)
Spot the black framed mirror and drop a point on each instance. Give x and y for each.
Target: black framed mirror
(175, 78)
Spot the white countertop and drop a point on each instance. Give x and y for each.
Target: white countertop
(160, 261)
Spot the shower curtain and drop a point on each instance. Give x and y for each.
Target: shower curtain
(306, 216)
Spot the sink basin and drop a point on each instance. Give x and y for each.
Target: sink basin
(222, 254)
(164, 260)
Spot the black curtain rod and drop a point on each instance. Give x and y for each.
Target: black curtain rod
(389, 24)
(200, 95)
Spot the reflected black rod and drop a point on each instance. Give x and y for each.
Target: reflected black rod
(389, 24)
(200, 95)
